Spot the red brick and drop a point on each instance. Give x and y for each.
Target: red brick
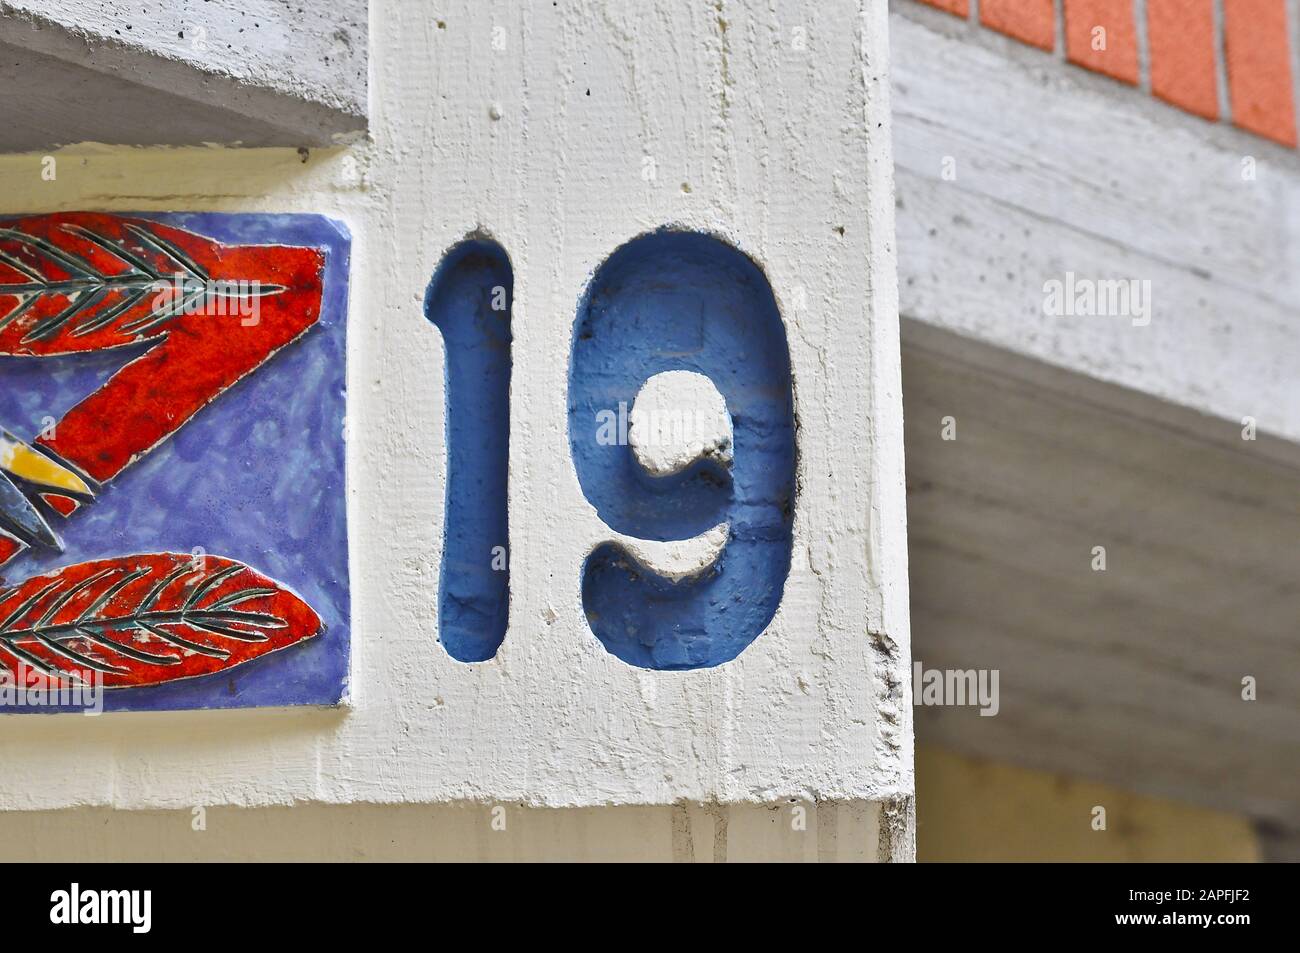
(1259, 67)
(1120, 58)
(1180, 41)
(959, 8)
(1030, 21)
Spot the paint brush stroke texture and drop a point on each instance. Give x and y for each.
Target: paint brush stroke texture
(257, 476)
(685, 301)
(469, 302)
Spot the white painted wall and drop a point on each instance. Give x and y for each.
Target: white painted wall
(767, 125)
(800, 832)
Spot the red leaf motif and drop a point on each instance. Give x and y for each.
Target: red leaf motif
(211, 314)
(144, 620)
(79, 282)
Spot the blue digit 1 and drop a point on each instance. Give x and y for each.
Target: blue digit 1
(469, 301)
(681, 301)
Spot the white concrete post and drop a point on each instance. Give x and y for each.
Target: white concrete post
(564, 131)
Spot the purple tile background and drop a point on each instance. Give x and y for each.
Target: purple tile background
(256, 476)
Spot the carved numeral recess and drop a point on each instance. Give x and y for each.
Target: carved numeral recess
(673, 322)
(469, 302)
(668, 303)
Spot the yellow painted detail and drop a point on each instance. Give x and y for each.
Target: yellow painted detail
(24, 462)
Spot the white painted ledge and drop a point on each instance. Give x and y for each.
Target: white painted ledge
(182, 72)
(1053, 170)
(786, 832)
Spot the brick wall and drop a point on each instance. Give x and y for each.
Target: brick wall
(1223, 60)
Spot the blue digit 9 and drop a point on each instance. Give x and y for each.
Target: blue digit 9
(682, 301)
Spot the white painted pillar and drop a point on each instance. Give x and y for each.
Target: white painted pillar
(564, 131)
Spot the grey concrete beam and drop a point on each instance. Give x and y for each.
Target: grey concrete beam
(247, 72)
(1083, 430)
(1132, 674)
